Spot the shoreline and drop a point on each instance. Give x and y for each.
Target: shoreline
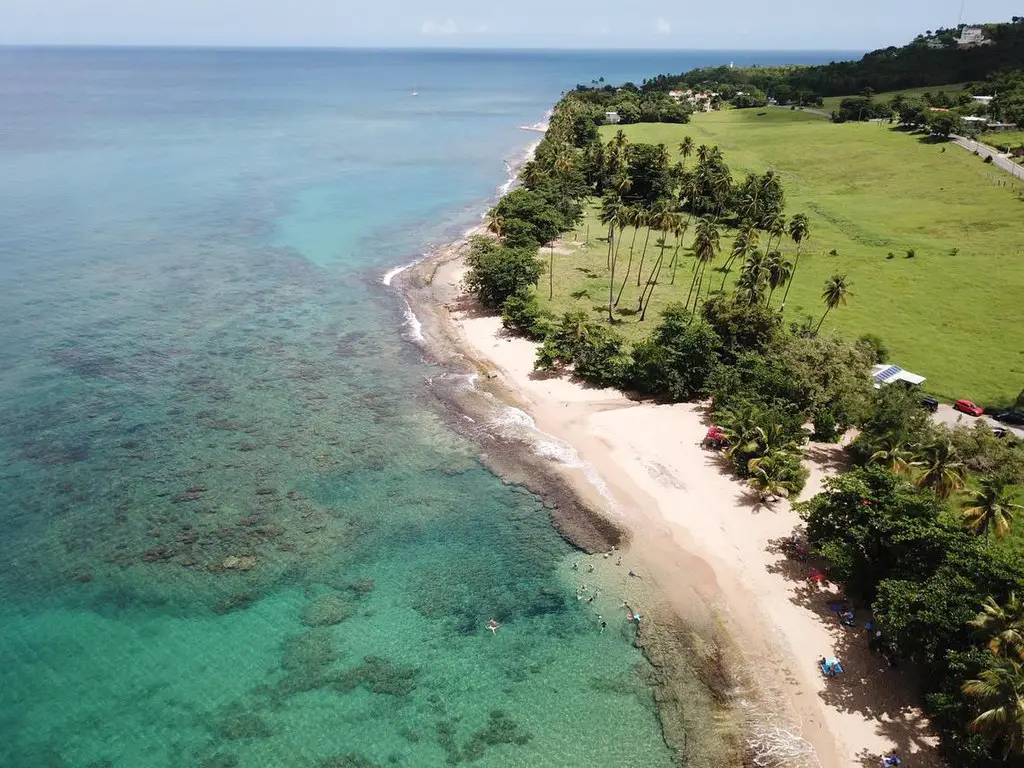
(726, 609)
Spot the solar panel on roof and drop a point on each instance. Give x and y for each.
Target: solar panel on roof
(888, 373)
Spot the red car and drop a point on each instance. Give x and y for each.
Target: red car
(967, 407)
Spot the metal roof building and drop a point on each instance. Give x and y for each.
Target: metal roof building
(885, 373)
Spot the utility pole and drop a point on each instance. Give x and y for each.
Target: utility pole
(551, 274)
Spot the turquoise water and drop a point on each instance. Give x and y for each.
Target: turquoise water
(236, 530)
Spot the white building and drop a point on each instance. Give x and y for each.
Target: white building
(612, 118)
(972, 36)
(982, 99)
(886, 373)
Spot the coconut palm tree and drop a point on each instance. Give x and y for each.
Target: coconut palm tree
(668, 221)
(1003, 625)
(780, 269)
(940, 469)
(1000, 688)
(495, 222)
(771, 475)
(753, 278)
(744, 244)
(636, 217)
(655, 217)
(611, 206)
(990, 509)
(705, 248)
(837, 290)
(686, 149)
(798, 232)
(895, 455)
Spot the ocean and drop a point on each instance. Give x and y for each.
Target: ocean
(236, 528)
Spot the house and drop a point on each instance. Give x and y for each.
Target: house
(971, 36)
(1002, 126)
(935, 43)
(974, 120)
(982, 99)
(886, 373)
(612, 118)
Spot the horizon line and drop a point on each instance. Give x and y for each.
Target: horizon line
(411, 48)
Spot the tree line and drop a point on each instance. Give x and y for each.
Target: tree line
(918, 531)
(928, 60)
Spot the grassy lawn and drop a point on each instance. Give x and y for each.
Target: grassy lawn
(868, 191)
(832, 102)
(1003, 138)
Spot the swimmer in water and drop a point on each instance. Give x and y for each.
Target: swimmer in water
(493, 626)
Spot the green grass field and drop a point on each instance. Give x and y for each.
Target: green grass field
(1004, 138)
(831, 103)
(868, 191)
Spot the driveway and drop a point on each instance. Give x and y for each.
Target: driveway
(984, 150)
(946, 415)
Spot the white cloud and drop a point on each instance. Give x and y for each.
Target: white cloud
(662, 26)
(604, 31)
(446, 27)
(480, 29)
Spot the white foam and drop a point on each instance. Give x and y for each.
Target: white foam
(391, 273)
(512, 168)
(414, 328)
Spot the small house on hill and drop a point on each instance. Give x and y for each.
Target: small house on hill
(612, 118)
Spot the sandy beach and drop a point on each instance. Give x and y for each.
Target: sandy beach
(698, 541)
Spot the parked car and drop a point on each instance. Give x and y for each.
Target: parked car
(930, 404)
(1011, 417)
(968, 407)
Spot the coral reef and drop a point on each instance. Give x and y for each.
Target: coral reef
(327, 611)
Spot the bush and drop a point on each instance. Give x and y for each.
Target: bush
(595, 353)
(676, 361)
(522, 314)
(496, 272)
(875, 346)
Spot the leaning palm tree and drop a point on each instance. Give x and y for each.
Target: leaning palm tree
(1000, 688)
(705, 248)
(1003, 625)
(744, 244)
(668, 221)
(837, 289)
(780, 270)
(940, 469)
(686, 149)
(989, 509)
(798, 232)
(636, 217)
(655, 216)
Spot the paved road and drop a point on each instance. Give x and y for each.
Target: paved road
(946, 415)
(984, 150)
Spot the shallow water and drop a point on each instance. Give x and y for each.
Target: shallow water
(236, 530)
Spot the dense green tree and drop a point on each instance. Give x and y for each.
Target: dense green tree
(595, 353)
(496, 272)
(677, 359)
(528, 219)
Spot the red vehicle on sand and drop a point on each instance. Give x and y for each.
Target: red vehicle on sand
(968, 407)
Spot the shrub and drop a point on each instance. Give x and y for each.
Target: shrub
(497, 272)
(522, 314)
(875, 347)
(677, 359)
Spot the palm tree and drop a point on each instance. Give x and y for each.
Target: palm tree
(798, 232)
(668, 221)
(610, 211)
(705, 248)
(744, 244)
(771, 475)
(655, 217)
(753, 278)
(1000, 688)
(895, 455)
(686, 149)
(989, 509)
(1003, 625)
(780, 269)
(636, 217)
(495, 222)
(941, 469)
(703, 153)
(837, 289)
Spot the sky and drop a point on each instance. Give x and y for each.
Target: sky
(663, 24)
